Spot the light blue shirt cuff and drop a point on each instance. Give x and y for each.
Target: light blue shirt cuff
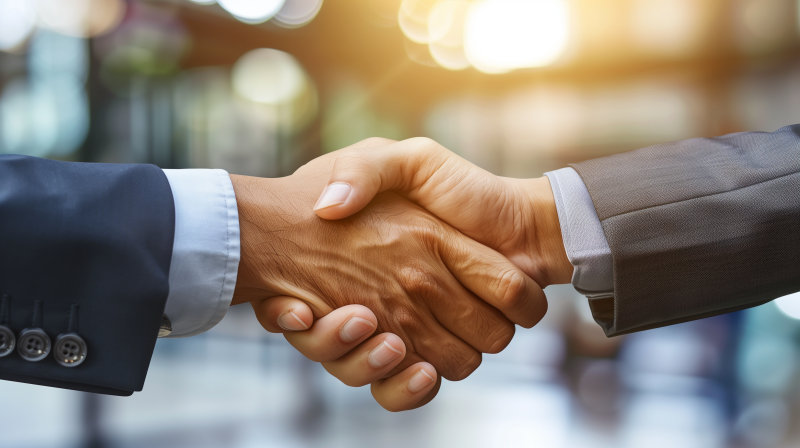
(584, 240)
(205, 254)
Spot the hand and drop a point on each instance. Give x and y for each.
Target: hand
(355, 363)
(516, 217)
(392, 257)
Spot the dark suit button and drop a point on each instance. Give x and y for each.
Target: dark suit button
(70, 350)
(33, 345)
(7, 341)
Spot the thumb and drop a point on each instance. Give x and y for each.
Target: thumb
(283, 314)
(359, 174)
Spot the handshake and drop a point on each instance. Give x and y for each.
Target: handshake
(397, 263)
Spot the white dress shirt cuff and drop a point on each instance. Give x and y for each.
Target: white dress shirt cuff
(205, 254)
(584, 240)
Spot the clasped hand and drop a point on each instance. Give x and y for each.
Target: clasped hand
(406, 240)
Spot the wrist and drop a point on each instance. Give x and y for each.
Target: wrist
(546, 246)
(256, 208)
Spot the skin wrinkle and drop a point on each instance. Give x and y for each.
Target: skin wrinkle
(389, 257)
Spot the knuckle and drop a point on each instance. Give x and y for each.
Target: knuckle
(464, 366)
(418, 282)
(405, 319)
(510, 289)
(491, 330)
(425, 143)
(375, 141)
(500, 338)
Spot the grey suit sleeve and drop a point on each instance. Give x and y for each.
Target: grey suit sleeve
(698, 227)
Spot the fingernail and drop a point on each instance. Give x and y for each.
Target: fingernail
(334, 194)
(355, 328)
(383, 355)
(290, 322)
(419, 381)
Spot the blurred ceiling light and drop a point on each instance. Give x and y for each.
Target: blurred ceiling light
(252, 11)
(666, 26)
(789, 305)
(204, 2)
(82, 18)
(17, 19)
(413, 19)
(268, 76)
(446, 33)
(451, 58)
(296, 13)
(503, 35)
(446, 22)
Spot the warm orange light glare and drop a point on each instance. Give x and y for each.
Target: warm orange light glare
(413, 19)
(503, 35)
(446, 22)
(451, 58)
(666, 26)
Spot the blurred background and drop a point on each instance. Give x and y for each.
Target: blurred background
(519, 87)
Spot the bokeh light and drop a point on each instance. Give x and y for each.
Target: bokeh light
(446, 33)
(17, 20)
(296, 13)
(413, 19)
(85, 18)
(252, 11)
(666, 27)
(446, 22)
(789, 305)
(451, 58)
(503, 35)
(268, 76)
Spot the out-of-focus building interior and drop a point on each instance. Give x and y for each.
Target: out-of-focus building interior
(519, 87)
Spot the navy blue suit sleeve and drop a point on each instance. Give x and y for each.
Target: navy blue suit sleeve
(96, 235)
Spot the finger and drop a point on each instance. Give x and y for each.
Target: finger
(372, 142)
(426, 338)
(473, 320)
(360, 173)
(496, 280)
(282, 314)
(334, 334)
(410, 389)
(370, 361)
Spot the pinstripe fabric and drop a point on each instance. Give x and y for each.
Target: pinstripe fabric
(698, 227)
